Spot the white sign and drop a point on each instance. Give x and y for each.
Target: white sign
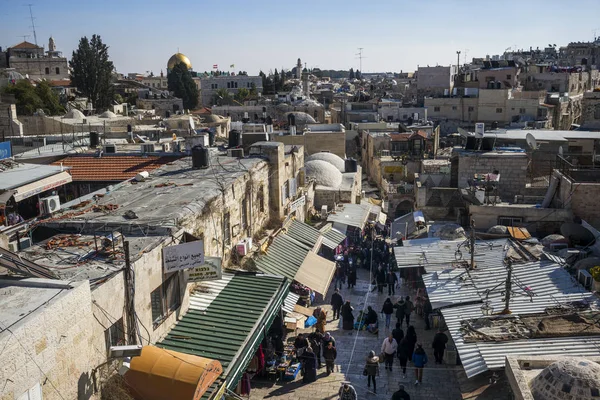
(479, 129)
(296, 204)
(209, 271)
(183, 256)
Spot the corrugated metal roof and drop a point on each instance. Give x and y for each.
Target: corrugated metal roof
(552, 286)
(289, 302)
(202, 298)
(284, 257)
(351, 214)
(303, 233)
(229, 329)
(332, 238)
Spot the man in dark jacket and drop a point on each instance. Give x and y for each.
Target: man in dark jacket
(315, 340)
(381, 278)
(329, 354)
(336, 303)
(328, 338)
(401, 394)
(392, 279)
(439, 345)
(400, 307)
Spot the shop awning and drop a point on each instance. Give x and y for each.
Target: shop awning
(316, 272)
(37, 187)
(289, 302)
(5, 197)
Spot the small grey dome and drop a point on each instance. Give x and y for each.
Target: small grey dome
(323, 173)
(569, 378)
(331, 158)
(75, 114)
(108, 114)
(302, 118)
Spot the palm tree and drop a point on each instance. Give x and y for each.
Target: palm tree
(222, 97)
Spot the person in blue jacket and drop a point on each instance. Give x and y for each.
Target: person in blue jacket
(419, 359)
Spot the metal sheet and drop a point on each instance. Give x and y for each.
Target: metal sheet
(289, 302)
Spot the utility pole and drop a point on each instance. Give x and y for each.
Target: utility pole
(507, 289)
(457, 60)
(360, 57)
(472, 244)
(32, 23)
(129, 300)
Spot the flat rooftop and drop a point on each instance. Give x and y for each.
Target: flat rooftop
(14, 174)
(172, 192)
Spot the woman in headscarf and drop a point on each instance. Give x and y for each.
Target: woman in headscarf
(347, 317)
(309, 365)
(371, 370)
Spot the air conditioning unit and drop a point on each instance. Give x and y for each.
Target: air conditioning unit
(236, 153)
(584, 278)
(147, 148)
(110, 148)
(23, 244)
(242, 247)
(167, 147)
(49, 205)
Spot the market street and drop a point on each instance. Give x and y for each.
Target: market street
(439, 381)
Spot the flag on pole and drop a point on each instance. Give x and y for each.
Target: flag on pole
(232, 66)
(215, 66)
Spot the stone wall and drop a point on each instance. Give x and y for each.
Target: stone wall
(580, 198)
(315, 142)
(36, 67)
(53, 348)
(538, 221)
(512, 168)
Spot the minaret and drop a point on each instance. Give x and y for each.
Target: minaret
(51, 44)
(299, 69)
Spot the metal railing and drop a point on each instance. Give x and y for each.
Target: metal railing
(398, 188)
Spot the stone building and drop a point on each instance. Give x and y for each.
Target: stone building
(590, 118)
(31, 60)
(316, 138)
(209, 85)
(434, 81)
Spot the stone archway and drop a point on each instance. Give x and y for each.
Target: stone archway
(403, 208)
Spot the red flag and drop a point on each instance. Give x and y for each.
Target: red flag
(215, 66)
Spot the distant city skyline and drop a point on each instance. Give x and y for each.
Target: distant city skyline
(254, 36)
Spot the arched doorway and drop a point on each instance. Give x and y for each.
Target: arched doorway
(403, 208)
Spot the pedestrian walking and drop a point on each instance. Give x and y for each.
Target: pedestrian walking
(387, 310)
(419, 359)
(409, 308)
(352, 277)
(392, 280)
(400, 394)
(339, 276)
(381, 277)
(427, 310)
(315, 341)
(309, 366)
(347, 317)
(400, 307)
(329, 354)
(411, 335)
(404, 353)
(372, 370)
(439, 345)
(328, 338)
(347, 392)
(336, 303)
(398, 333)
(321, 320)
(388, 350)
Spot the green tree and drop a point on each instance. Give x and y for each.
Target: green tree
(276, 81)
(49, 99)
(26, 98)
(242, 95)
(91, 71)
(180, 82)
(222, 97)
(253, 91)
(358, 74)
(351, 74)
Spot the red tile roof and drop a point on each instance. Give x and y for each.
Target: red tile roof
(400, 137)
(25, 45)
(111, 168)
(62, 82)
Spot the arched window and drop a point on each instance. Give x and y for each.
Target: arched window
(57, 71)
(47, 71)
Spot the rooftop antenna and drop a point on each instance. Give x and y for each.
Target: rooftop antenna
(466, 52)
(32, 23)
(360, 57)
(24, 37)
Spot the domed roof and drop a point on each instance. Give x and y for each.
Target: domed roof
(331, 158)
(302, 118)
(323, 173)
(108, 114)
(179, 58)
(75, 114)
(568, 378)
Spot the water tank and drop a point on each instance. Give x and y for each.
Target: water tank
(235, 138)
(487, 143)
(200, 158)
(350, 165)
(94, 139)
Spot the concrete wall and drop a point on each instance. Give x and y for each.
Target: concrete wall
(161, 106)
(53, 347)
(539, 221)
(512, 168)
(434, 77)
(590, 116)
(580, 198)
(315, 142)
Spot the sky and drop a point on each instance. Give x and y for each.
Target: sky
(396, 35)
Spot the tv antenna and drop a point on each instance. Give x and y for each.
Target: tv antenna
(360, 57)
(32, 23)
(24, 37)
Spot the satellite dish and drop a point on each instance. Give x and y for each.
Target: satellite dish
(192, 123)
(577, 234)
(560, 151)
(531, 141)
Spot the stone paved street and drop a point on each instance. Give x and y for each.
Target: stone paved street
(439, 381)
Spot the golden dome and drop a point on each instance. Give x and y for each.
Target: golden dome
(179, 58)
